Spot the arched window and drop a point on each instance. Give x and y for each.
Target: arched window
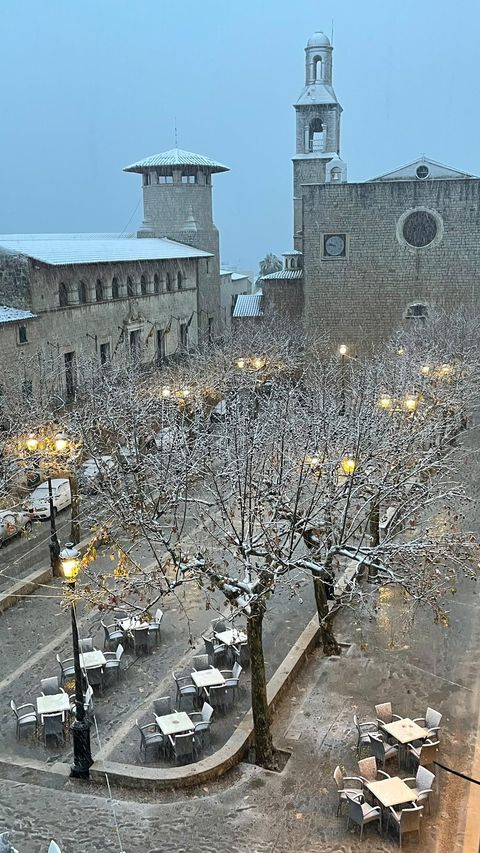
(82, 293)
(143, 285)
(316, 135)
(317, 69)
(336, 174)
(115, 287)
(168, 282)
(130, 287)
(179, 280)
(99, 290)
(156, 283)
(62, 295)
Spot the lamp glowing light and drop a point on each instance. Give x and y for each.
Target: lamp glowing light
(61, 442)
(166, 391)
(343, 349)
(31, 443)
(241, 363)
(70, 562)
(348, 464)
(385, 401)
(410, 403)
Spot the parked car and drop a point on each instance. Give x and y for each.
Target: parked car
(93, 473)
(12, 523)
(38, 505)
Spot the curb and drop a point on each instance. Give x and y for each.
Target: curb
(213, 767)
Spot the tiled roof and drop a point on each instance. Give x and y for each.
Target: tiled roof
(12, 315)
(282, 275)
(176, 157)
(248, 305)
(97, 250)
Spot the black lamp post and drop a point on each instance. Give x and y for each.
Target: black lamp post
(82, 755)
(343, 351)
(32, 444)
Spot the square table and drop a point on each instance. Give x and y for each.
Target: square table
(391, 792)
(91, 660)
(54, 704)
(131, 623)
(405, 730)
(208, 678)
(230, 637)
(175, 724)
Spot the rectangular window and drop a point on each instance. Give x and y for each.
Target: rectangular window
(105, 353)
(207, 265)
(160, 346)
(183, 337)
(69, 359)
(135, 344)
(22, 335)
(210, 330)
(27, 389)
(234, 299)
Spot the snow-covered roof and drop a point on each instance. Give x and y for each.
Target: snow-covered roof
(282, 275)
(176, 157)
(13, 315)
(316, 93)
(422, 169)
(248, 305)
(292, 252)
(97, 249)
(235, 276)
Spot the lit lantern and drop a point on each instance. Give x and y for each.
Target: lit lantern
(31, 443)
(241, 363)
(425, 370)
(385, 402)
(343, 349)
(410, 403)
(166, 391)
(348, 464)
(70, 562)
(61, 442)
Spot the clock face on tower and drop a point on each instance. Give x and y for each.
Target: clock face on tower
(334, 245)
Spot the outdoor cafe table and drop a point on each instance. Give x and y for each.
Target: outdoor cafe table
(92, 660)
(231, 636)
(391, 792)
(175, 724)
(131, 623)
(54, 704)
(405, 730)
(208, 678)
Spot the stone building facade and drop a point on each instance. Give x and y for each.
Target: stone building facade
(232, 285)
(377, 254)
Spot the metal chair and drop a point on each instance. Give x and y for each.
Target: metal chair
(94, 676)
(369, 772)
(407, 820)
(67, 668)
(185, 688)
(182, 746)
(361, 813)
(363, 732)
(140, 640)
(50, 686)
(113, 661)
(423, 786)
(24, 718)
(162, 706)
(54, 726)
(220, 698)
(205, 715)
(201, 662)
(382, 751)
(354, 784)
(85, 645)
(112, 635)
(425, 754)
(218, 625)
(154, 628)
(241, 653)
(150, 738)
(201, 736)
(232, 677)
(430, 721)
(214, 650)
(384, 714)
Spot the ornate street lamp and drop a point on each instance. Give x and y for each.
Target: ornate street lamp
(82, 755)
(32, 444)
(410, 403)
(348, 464)
(385, 402)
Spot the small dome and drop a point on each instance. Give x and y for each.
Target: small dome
(318, 40)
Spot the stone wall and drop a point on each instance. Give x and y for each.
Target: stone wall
(284, 299)
(363, 297)
(229, 290)
(14, 281)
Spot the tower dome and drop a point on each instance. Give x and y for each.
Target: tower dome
(318, 39)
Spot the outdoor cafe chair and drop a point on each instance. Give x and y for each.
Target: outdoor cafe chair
(154, 627)
(218, 625)
(232, 677)
(140, 640)
(87, 703)
(150, 739)
(384, 714)
(182, 746)
(67, 668)
(112, 636)
(54, 726)
(25, 716)
(406, 820)
(214, 650)
(50, 686)
(369, 772)
(363, 732)
(423, 786)
(425, 754)
(201, 736)
(203, 716)
(200, 662)
(241, 652)
(431, 721)
(113, 661)
(220, 697)
(185, 688)
(382, 751)
(345, 785)
(94, 676)
(162, 706)
(362, 813)
(85, 645)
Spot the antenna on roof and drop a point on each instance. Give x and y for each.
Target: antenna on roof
(176, 135)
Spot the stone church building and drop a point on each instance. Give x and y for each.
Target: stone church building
(370, 256)
(115, 298)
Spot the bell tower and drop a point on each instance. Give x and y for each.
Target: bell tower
(317, 159)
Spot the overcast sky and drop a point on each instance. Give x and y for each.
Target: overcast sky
(89, 86)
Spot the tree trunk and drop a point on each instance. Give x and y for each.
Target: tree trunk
(75, 510)
(374, 526)
(264, 750)
(329, 643)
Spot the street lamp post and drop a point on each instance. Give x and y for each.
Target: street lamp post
(343, 351)
(54, 545)
(82, 755)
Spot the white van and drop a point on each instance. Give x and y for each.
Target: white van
(38, 505)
